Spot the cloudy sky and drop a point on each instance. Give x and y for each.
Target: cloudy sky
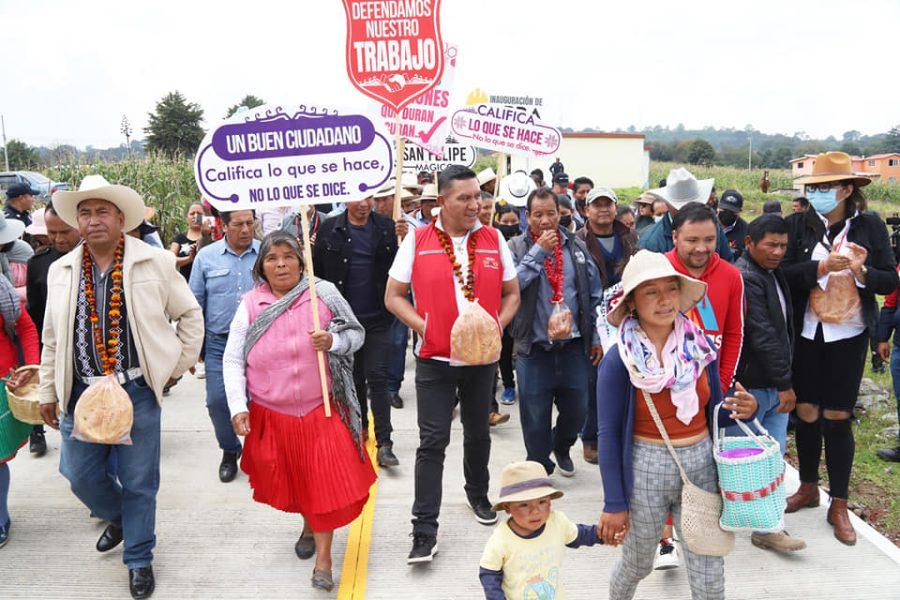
(72, 69)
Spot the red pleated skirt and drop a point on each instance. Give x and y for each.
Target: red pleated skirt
(307, 465)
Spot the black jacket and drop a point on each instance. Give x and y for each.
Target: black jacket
(806, 229)
(768, 343)
(332, 253)
(736, 238)
(522, 326)
(36, 284)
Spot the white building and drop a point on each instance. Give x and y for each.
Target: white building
(614, 160)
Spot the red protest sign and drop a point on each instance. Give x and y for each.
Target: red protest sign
(394, 48)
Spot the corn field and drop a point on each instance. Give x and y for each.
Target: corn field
(166, 184)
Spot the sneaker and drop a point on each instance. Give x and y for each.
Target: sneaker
(564, 464)
(396, 400)
(508, 396)
(666, 555)
(590, 453)
(780, 541)
(423, 550)
(386, 456)
(482, 510)
(496, 418)
(4, 533)
(890, 455)
(200, 370)
(37, 444)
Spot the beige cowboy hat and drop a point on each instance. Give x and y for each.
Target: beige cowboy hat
(682, 187)
(389, 189)
(833, 166)
(523, 481)
(485, 175)
(95, 187)
(647, 198)
(410, 182)
(10, 229)
(429, 192)
(647, 266)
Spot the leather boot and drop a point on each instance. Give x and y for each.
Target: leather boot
(806, 497)
(840, 520)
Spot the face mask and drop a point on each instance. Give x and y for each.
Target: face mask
(508, 231)
(727, 218)
(823, 202)
(564, 222)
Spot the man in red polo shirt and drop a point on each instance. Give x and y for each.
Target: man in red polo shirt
(434, 261)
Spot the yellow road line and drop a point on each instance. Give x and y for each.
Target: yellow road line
(356, 558)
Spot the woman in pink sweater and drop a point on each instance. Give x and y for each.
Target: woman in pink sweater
(298, 460)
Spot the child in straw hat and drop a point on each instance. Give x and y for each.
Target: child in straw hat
(523, 558)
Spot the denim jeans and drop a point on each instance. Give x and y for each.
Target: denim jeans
(589, 433)
(767, 414)
(895, 377)
(547, 377)
(397, 361)
(130, 501)
(216, 401)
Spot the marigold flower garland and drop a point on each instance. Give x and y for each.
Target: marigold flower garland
(553, 265)
(105, 350)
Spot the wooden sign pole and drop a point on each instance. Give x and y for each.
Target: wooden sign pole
(313, 298)
(400, 145)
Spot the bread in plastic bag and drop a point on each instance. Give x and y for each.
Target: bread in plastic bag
(838, 301)
(559, 325)
(104, 414)
(474, 338)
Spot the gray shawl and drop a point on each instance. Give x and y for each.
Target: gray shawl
(343, 321)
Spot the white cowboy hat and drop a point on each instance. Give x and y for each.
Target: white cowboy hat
(646, 266)
(410, 181)
(516, 188)
(523, 481)
(389, 189)
(10, 229)
(95, 187)
(682, 187)
(38, 224)
(486, 175)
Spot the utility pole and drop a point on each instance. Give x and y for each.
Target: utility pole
(3, 133)
(750, 153)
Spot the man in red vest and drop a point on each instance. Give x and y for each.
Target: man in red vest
(435, 261)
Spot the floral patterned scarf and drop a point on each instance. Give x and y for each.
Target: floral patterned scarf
(685, 355)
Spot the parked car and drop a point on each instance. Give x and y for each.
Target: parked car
(36, 180)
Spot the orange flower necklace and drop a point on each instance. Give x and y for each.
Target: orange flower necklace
(105, 350)
(466, 284)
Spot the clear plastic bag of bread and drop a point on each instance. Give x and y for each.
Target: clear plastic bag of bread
(559, 326)
(839, 301)
(104, 414)
(475, 337)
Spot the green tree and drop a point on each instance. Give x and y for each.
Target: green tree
(852, 148)
(892, 140)
(174, 128)
(250, 101)
(21, 155)
(701, 152)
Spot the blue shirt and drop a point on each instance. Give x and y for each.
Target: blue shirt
(362, 293)
(219, 279)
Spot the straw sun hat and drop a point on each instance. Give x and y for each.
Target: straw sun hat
(95, 187)
(524, 481)
(647, 266)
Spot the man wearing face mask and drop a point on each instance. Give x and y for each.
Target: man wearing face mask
(730, 205)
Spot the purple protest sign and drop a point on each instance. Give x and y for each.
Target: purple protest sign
(505, 129)
(274, 156)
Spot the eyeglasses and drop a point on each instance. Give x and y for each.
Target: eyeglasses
(823, 187)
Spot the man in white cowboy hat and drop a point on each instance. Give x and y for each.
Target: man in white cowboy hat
(110, 310)
(427, 203)
(354, 251)
(514, 190)
(12, 248)
(680, 189)
(487, 180)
